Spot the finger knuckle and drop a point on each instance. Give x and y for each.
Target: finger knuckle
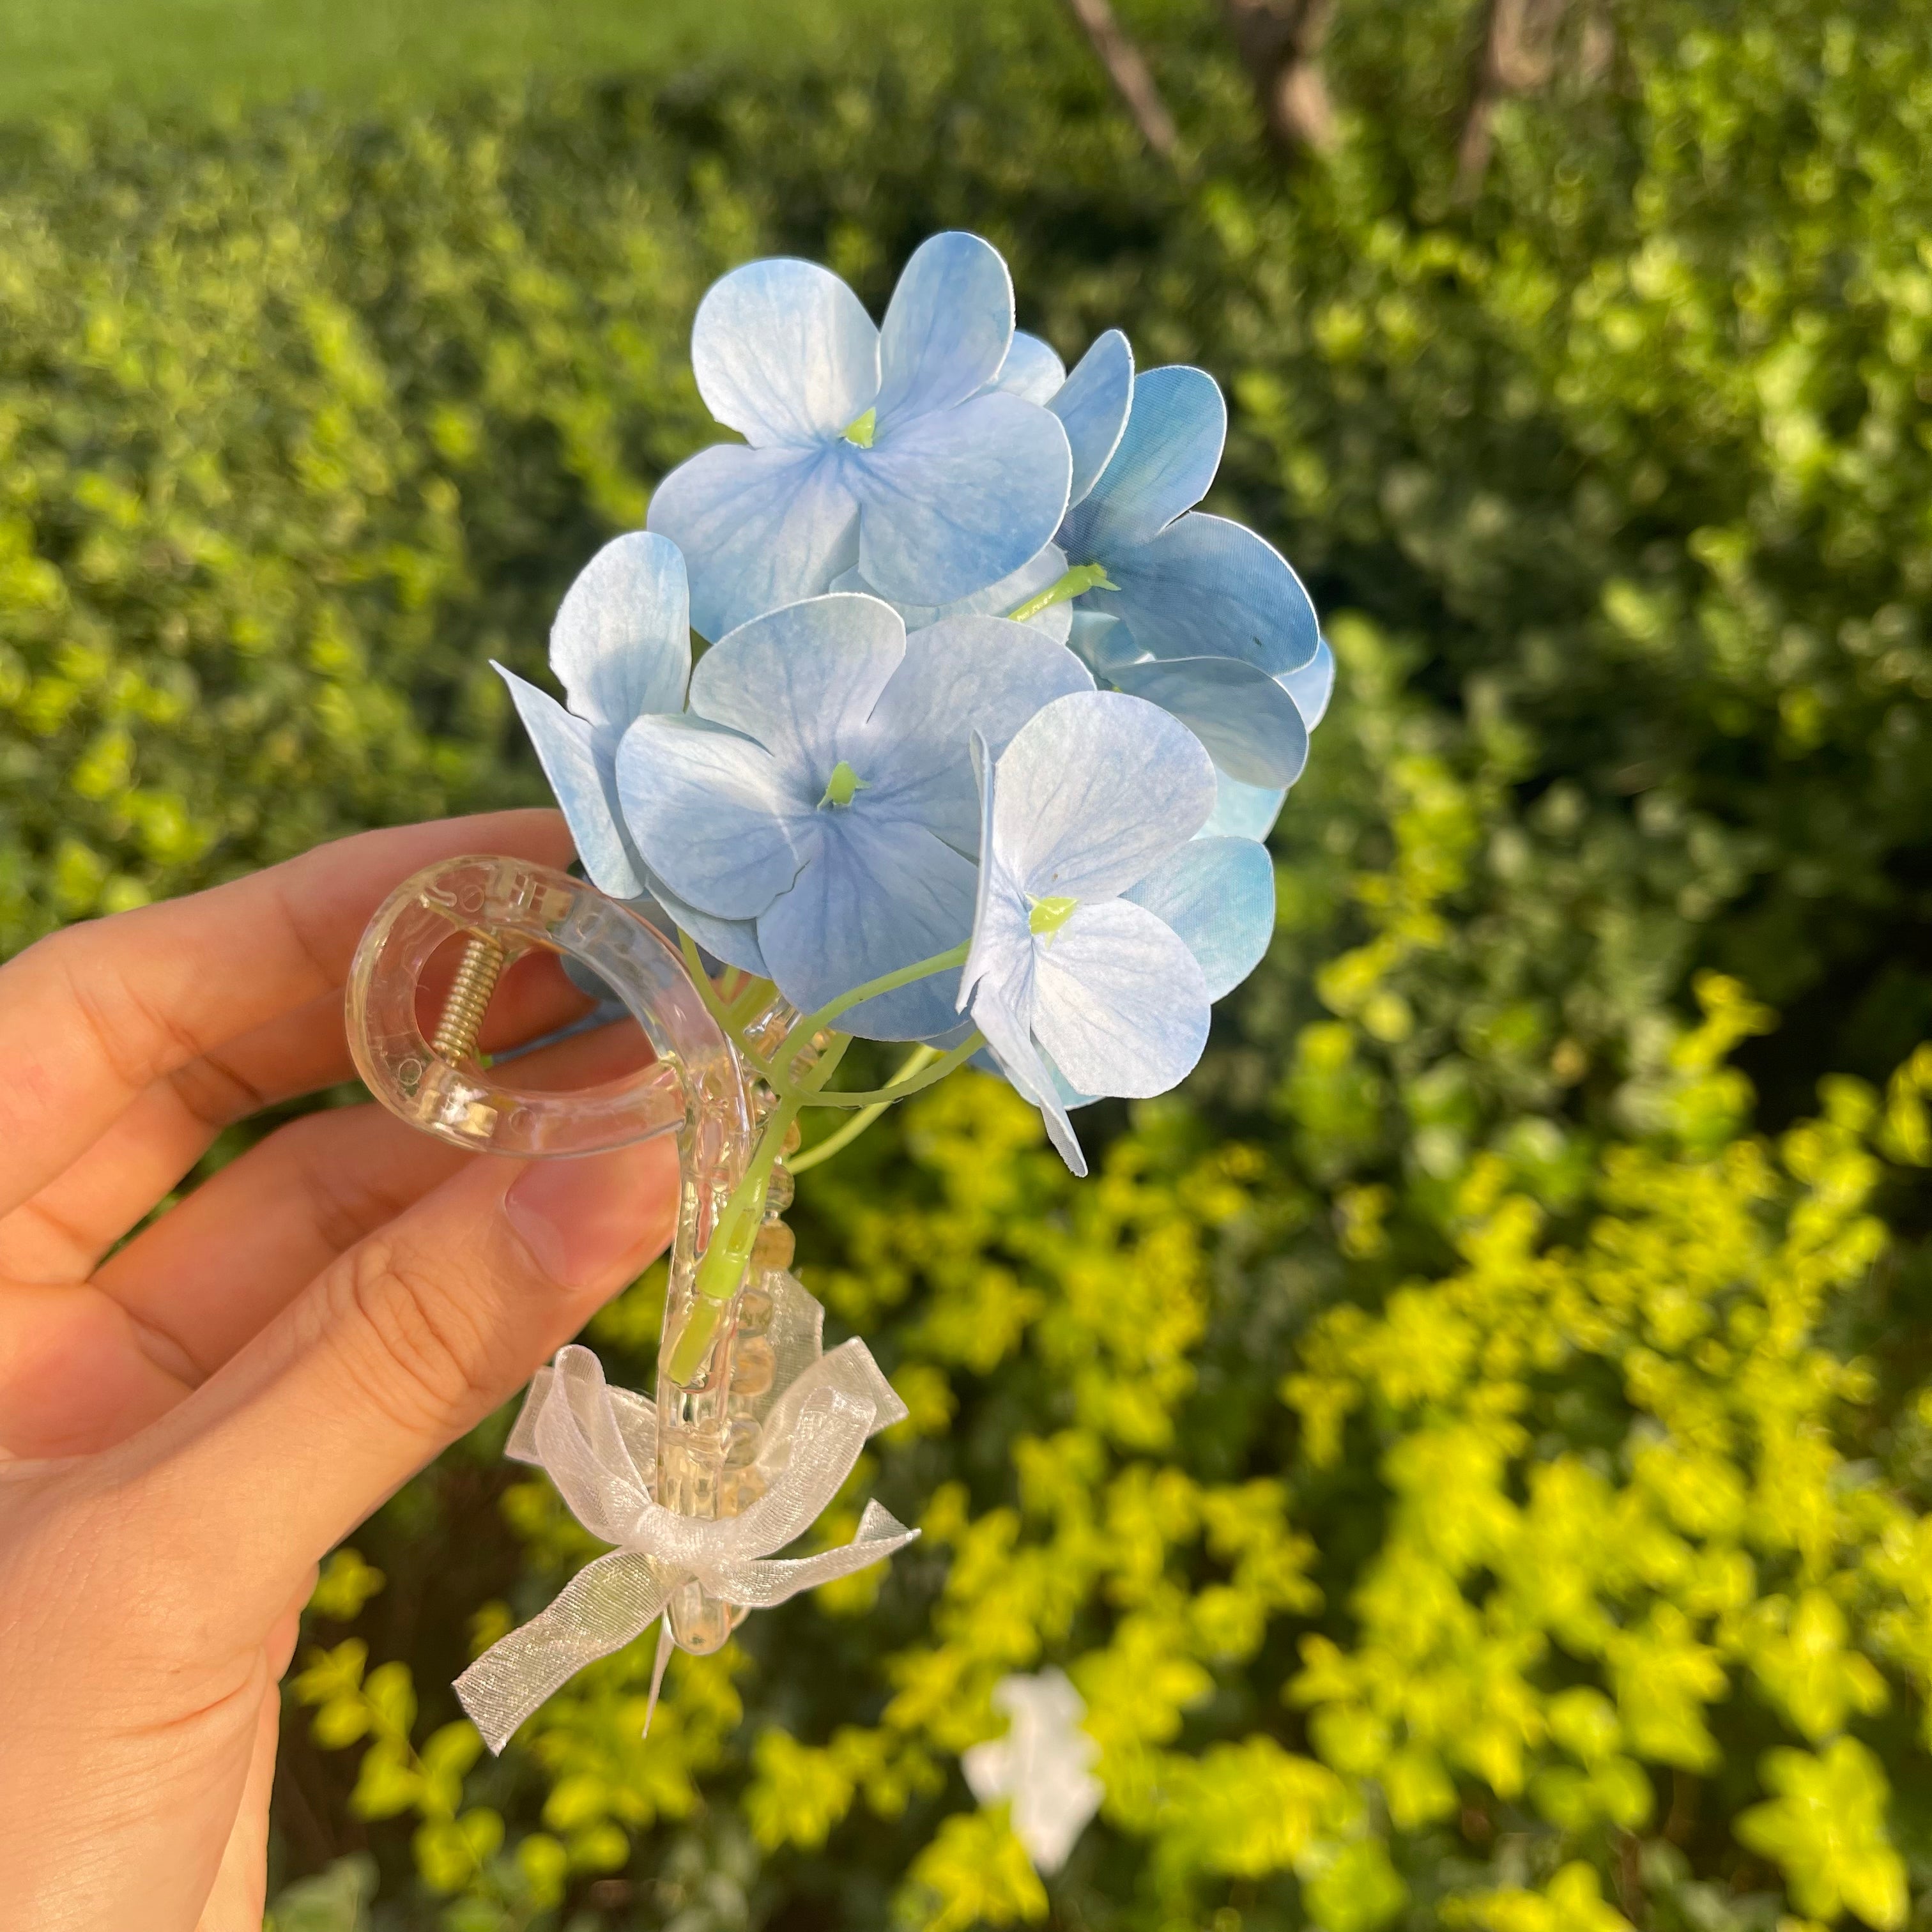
(418, 1354)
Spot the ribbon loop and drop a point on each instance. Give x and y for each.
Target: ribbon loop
(599, 1445)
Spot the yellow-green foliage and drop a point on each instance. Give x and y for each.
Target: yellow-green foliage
(1623, 1526)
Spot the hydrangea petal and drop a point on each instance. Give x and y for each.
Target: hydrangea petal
(997, 900)
(1092, 407)
(877, 897)
(982, 674)
(711, 816)
(1031, 371)
(1120, 1002)
(795, 679)
(584, 784)
(1313, 685)
(1163, 466)
(734, 941)
(758, 528)
(621, 644)
(1206, 587)
(954, 500)
(1094, 792)
(1249, 723)
(1018, 1058)
(1217, 895)
(785, 352)
(1037, 574)
(947, 328)
(1242, 811)
(1102, 643)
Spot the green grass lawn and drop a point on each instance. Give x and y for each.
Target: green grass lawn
(58, 54)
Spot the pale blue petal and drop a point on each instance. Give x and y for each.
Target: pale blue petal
(584, 784)
(966, 675)
(1246, 720)
(785, 352)
(758, 528)
(801, 681)
(956, 499)
(1070, 1096)
(621, 645)
(997, 895)
(1102, 643)
(1206, 587)
(1163, 466)
(711, 817)
(1037, 574)
(1094, 792)
(1217, 895)
(1313, 685)
(1119, 1002)
(1031, 371)
(874, 898)
(1242, 811)
(1011, 1043)
(1093, 408)
(947, 328)
(734, 941)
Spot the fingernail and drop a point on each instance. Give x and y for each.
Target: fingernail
(584, 1219)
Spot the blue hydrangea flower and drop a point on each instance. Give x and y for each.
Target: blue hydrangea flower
(881, 449)
(621, 649)
(1092, 405)
(821, 785)
(1098, 796)
(1209, 618)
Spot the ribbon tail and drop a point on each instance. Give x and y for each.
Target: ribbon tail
(772, 1580)
(666, 1643)
(602, 1609)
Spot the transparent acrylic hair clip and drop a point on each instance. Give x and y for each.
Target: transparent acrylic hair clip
(753, 1428)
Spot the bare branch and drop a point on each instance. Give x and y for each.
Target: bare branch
(1132, 79)
(1518, 57)
(1280, 43)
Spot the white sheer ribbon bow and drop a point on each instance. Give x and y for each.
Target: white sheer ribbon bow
(599, 1445)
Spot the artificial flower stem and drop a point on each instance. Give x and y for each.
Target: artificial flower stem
(1080, 578)
(719, 1012)
(795, 1040)
(754, 995)
(843, 1137)
(903, 1085)
(720, 1268)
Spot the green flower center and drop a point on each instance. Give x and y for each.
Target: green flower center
(858, 430)
(1079, 577)
(1049, 915)
(843, 786)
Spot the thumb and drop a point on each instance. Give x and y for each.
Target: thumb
(408, 1339)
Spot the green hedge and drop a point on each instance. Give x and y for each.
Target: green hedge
(1471, 1478)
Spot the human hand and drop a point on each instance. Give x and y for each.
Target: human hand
(189, 1421)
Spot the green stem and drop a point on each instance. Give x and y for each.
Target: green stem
(903, 1085)
(1078, 577)
(843, 1137)
(720, 1268)
(718, 1011)
(755, 994)
(886, 982)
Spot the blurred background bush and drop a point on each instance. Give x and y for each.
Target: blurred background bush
(1471, 1448)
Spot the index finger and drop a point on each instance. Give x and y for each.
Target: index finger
(94, 1015)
